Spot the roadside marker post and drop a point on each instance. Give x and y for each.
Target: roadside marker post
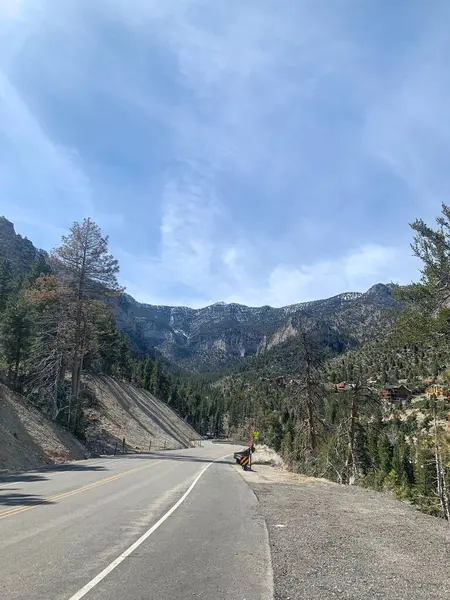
(244, 462)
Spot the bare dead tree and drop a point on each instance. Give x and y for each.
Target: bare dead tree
(360, 394)
(310, 386)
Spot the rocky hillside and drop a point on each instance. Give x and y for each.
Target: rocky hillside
(18, 250)
(222, 335)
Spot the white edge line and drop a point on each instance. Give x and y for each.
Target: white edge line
(115, 563)
(2, 485)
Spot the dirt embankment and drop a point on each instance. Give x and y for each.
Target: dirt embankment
(114, 411)
(119, 410)
(28, 439)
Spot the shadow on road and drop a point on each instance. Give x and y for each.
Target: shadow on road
(22, 478)
(39, 476)
(12, 499)
(75, 467)
(180, 457)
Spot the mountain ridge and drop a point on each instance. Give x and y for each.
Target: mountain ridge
(223, 335)
(345, 296)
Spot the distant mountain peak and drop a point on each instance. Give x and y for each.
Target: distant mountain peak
(224, 334)
(380, 287)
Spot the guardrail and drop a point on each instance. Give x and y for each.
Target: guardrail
(114, 448)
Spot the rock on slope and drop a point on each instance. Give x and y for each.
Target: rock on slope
(28, 439)
(120, 410)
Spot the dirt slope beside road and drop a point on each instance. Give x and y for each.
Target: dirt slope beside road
(121, 410)
(28, 439)
(329, 541)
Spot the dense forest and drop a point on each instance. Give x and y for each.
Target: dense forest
(351, 436)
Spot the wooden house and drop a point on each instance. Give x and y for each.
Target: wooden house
(395, 393)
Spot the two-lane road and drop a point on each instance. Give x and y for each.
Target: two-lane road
(172, 525)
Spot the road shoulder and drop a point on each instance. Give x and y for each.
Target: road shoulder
(330, 541)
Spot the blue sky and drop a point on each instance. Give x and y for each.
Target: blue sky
(258, 151)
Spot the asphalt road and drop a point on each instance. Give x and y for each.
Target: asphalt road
(173, 525)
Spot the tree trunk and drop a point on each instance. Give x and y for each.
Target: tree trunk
(59, 377)
(310, 404)
(17, 363)
(443, 498)
(350, 463)
(77, 354)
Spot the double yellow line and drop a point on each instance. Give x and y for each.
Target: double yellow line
(18, 509)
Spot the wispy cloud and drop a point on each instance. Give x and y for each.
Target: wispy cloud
(252, 151)
(33, 167)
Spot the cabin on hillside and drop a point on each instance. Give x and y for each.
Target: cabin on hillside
(438, 390)
(395, 393)
(345, 387)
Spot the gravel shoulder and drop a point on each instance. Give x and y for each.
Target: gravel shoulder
(330, 541)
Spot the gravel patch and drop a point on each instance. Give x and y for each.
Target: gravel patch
(330, 541)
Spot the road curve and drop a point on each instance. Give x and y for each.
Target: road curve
(170, 525)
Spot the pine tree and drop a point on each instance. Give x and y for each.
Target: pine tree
(149, 367)
(425, 473)
(384, 450)
(124, 364)
(39, 268)
(108, 343)
(286, 447)
(6, 284)
(16, 330)
(49, 352)
(87, 274)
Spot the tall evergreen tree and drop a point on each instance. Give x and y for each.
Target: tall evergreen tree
(87, 273)
(6, 283)
(16, 336)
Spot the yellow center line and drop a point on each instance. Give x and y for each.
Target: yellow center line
(18, 509)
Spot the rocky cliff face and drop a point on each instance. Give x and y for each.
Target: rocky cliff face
(222, 335)
(18, 250)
